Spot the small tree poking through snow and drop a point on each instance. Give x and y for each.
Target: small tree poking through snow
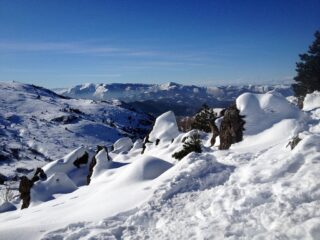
(204, 118)
(191, 144)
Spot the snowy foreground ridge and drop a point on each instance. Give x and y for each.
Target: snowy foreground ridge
(258, 189)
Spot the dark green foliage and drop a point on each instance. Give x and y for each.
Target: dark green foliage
(203, 119)
(308, 70)
(192, 144)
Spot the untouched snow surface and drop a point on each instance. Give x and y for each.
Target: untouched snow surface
(312, 101)
(165, 128)
(259, 189)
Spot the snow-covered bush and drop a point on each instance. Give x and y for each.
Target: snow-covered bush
(192, 144)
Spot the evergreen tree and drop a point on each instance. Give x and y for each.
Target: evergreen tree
(203, 119)
(192, 144)
(308, 70)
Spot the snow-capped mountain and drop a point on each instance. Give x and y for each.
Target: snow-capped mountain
(260, 188)
(37, 125)
(158, 98)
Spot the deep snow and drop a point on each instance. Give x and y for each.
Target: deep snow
(258, 189)
(37, 125)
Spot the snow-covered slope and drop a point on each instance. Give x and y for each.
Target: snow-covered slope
(258, 189)
(156, 99)
(37, 125)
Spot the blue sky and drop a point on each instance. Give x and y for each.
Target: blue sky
(59, 43)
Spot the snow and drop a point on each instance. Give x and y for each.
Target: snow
(122, 145)
(165, 128)
(258, 189)
(184, 100)
(264, 110)
(174, 91)
(66, 165)
(102, 163)
(311, 101)
(32, 132)
(7, 207)
(43, 191)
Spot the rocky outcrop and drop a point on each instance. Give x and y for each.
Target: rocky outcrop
(39, 175)
(24, 189)
(26, 185)
(67, 119)
(231, 128)
(145, 141)
(3, 178)
(91, 167)
(215, 133)
(93, 162)
(81, 160)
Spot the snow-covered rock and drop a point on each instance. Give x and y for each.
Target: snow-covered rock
(165, 128)
(103, 163)
(261, 111)
(66, 165)
(311, 101)
(122, 145)
(43, 191)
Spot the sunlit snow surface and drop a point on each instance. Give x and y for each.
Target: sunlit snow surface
(29, 122)
(259, 189)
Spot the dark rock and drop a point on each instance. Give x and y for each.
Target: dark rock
(26, 185)
(91, 167)
(81, 160)
(24, 189)
(39, 175)
(23, 170)
(94, 162)
(215, 133)
(15, 152)
(3, 178)
(4, 156)
(232, 127)
(145, 141)
(67, 119)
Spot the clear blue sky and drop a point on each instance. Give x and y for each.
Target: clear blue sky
(57, 43)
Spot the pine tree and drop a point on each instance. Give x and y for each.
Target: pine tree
(308, 70)
(204, 118)
(192, 144)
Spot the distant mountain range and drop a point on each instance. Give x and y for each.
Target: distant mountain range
(158, 98)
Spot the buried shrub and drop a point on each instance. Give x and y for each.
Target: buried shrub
(6, 194)
(192, 144)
